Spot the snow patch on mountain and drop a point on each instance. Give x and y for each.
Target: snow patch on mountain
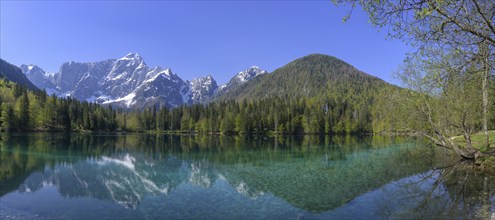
(239, 79)
(248, 74)
(127, 100)
(131, 57)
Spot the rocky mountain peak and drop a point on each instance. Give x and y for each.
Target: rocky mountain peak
(38, 76)
(249, 73)
(28, 68)
(202, 88)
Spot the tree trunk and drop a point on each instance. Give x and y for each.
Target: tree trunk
(484, 79)
(469, 152)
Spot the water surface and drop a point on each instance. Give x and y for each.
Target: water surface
(143, 176)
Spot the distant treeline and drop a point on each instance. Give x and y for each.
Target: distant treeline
(25, 110)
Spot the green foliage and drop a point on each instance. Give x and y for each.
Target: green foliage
(8, 117)
(23, 109)
(317, 115)
(27, 110)
(313, 94)
(451, 72)
(316, 94)
(309, 76)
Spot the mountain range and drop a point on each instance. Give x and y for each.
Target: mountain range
(129, 82)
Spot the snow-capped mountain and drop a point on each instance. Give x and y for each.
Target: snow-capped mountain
(202, 89)
(239, 79)
(126, 82)
(129, 82)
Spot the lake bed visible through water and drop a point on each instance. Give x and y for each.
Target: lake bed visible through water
(155, 176)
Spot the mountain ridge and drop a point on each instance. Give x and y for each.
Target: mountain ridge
(126, 82)
(129, 82)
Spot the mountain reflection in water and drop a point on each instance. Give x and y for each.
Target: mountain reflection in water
(256, 177)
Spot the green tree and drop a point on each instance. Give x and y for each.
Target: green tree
(8, 117)
(23, 115)
(455, 39)
(440, 109)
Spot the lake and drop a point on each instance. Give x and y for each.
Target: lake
(155, 176)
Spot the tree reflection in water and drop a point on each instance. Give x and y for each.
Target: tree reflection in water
(460, 190)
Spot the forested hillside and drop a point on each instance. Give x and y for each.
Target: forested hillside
(335, 96)
(315, 94)
(310, 76)
(25, 110)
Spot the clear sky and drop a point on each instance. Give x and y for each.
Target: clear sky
(194, 38)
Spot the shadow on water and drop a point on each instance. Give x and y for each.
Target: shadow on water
(316, 174)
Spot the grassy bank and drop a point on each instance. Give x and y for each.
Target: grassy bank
(478, 140)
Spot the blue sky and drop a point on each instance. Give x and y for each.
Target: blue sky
(194, 38)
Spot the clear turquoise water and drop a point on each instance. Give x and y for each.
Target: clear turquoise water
(142, 176)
